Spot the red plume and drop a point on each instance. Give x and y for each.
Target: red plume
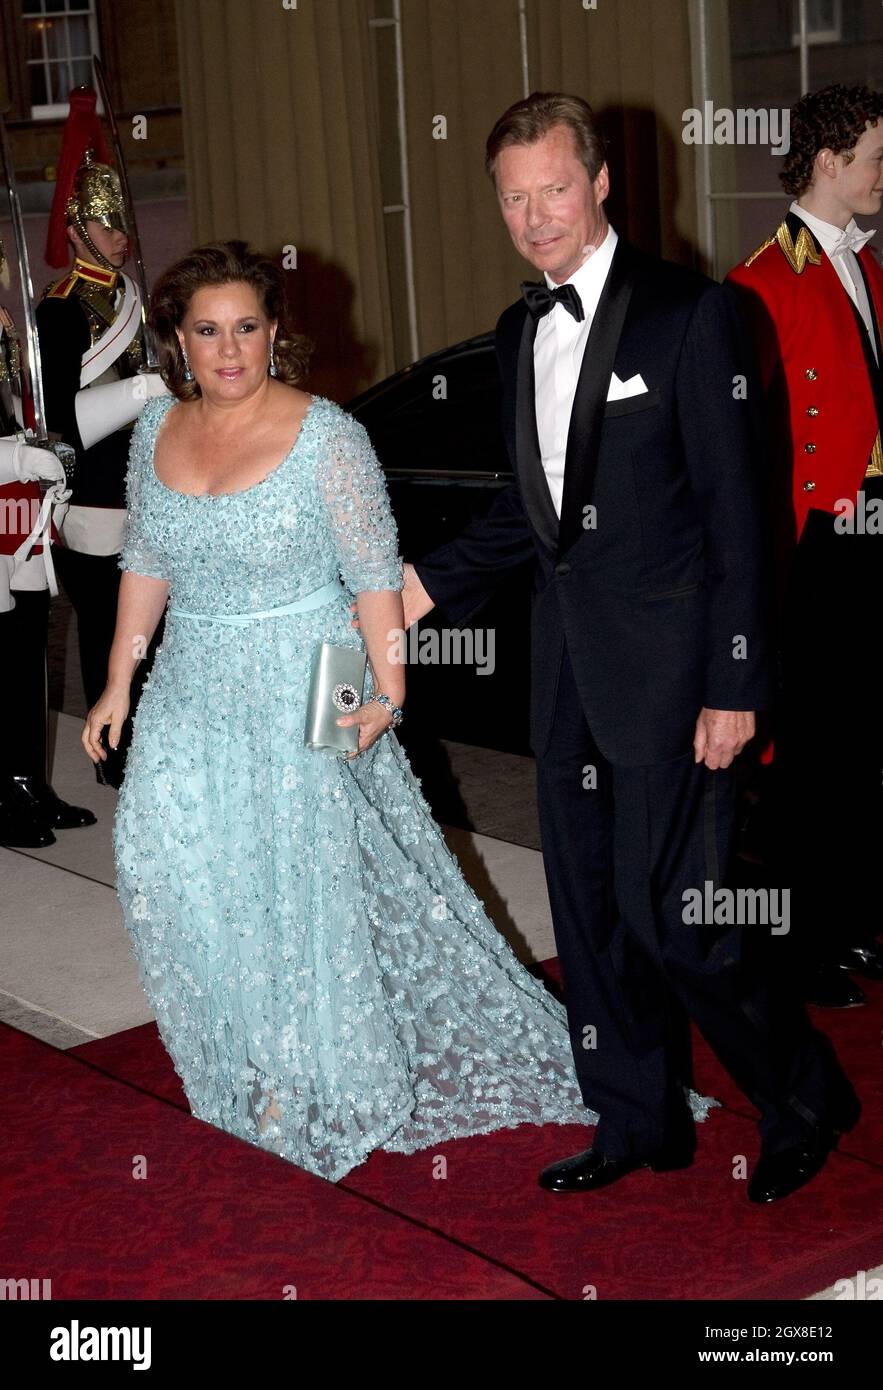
(82, 129)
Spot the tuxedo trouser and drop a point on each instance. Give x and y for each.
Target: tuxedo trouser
(92, 584)
(23, 642)
(618, 858)
(828, 765)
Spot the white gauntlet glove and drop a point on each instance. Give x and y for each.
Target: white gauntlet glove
(23, 463)
(103, 409)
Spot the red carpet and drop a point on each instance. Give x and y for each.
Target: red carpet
(688, 1235)
(391, 1229)
(212, 1219)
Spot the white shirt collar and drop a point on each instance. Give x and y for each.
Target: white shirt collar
(826, 234)
(588, 279)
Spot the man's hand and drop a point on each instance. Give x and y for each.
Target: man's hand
(415, 600)
(721, 734)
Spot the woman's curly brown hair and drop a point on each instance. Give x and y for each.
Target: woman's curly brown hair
(222, 263)
(834, 118)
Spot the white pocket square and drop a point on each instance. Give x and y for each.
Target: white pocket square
(620, 389)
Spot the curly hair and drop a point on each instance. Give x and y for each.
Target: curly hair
(222, 263)
(531, 119)
(834, 118)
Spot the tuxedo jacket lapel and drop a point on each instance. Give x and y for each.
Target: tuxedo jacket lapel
(531, 475)
(584, 433)
(583, 438)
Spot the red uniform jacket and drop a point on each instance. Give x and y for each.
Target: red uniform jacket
(822, 413)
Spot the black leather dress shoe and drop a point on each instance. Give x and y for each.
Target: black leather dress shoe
(777, 1175)
(831, 988)
(48, 808)
(864, 960)
(586, 1171)
(22, 829)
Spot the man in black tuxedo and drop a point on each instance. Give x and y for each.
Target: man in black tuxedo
(626, 419)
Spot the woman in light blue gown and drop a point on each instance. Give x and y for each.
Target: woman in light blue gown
(324, 979)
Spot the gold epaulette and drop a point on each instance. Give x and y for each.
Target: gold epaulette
(797, 254)
(770, 241)
(60, 289)
(82, 276)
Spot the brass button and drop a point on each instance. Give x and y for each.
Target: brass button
(811, 373)
(812, 410)
(809, 487)
(809, 448)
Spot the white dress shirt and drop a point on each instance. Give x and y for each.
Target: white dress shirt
(558, 354)
(845, 263)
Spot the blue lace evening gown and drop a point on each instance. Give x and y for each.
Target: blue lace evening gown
(324, 979)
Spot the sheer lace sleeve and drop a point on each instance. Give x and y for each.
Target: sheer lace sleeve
(354, 491)
(137, 553)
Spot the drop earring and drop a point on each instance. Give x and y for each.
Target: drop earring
(273, 369)
(188, 375)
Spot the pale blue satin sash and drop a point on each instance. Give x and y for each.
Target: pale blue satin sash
(317, 599)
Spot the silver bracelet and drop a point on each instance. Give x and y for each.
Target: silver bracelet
(397, 713)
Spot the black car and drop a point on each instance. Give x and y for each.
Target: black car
(435, 427)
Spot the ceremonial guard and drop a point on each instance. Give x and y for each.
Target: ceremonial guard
(92, 350)
(30, 809)
(814, 296)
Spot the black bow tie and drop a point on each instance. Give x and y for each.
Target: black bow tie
(540, 299)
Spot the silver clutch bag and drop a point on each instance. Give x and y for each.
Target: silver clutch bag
(336, 687)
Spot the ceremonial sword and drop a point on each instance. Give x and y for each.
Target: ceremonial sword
(40, 438)
(151, 360)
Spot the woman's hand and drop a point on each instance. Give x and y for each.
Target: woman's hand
(111, 708)
(372, 719)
